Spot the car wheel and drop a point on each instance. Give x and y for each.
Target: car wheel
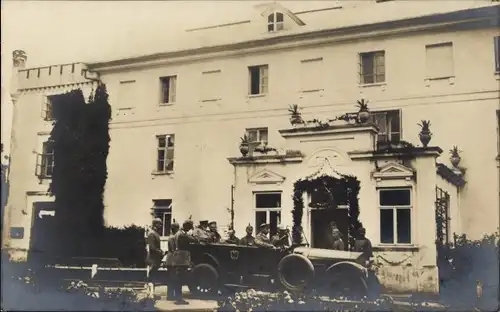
(347, 285)
(296, 273)
(204, 280)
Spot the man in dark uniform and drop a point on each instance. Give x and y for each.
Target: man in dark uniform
(364, 245)
(182, 262)
(200, 232)
(214, 236)
(248, 240)
(262, 239)
(171, 295)
(155, 254)
(281, 239)
(232, 239)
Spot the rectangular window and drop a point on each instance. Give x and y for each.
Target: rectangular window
(165, 156)
(268, 210)
(257, 135)
(126, 94)
(258, 79)
(372, 67)
(439, 60)
(395, 216)
(45, 161)
(210, 85)
(497, 54)
(162, 209)
(48, 108)
(389, 125)
(168, 89)
(311, 74)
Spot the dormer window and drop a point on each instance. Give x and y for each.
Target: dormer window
(275, 22)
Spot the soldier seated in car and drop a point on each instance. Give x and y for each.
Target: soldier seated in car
(232, 239)
(262, 239)
(281, 238)
(248, 240)
(214, 236)
(201, 233)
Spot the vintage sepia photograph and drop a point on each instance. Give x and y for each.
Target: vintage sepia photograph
(339, 155)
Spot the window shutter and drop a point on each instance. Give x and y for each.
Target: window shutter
(172, 89)
(311, 74)
(44, 107)
(439, 60)
(38, 165)
(264, 79)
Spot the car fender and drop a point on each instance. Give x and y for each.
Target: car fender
(211, 260)
(349, 266)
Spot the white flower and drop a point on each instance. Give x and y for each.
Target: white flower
(301, 302)
(290, 300)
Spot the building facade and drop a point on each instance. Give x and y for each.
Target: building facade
(178, 117)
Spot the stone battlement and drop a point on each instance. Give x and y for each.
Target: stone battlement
(54, 75)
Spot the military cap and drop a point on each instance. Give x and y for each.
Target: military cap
(362, 230)
(212, 222)
(157, 220)
(175, 225)
(204, 223)
(264, 225)
(281, 227)
(249, 227)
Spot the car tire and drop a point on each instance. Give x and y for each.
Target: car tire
(204, 280)
(288, 275)
(350, 285)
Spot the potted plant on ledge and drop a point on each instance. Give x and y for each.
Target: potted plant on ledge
(295, 117)
(455, 156)
(363, 113)
(425, 134)
(244, 145)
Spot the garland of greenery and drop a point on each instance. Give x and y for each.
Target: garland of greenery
(343, 190)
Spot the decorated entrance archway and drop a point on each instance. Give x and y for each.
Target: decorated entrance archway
(342, 189)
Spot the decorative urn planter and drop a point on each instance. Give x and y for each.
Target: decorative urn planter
(244, 148)
(363, 113)
(455, 156)
(363, 116)
(296, 119)
(425, 134)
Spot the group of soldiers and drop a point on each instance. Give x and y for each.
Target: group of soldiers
(206, 232)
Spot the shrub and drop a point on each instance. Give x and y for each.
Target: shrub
(465, 263)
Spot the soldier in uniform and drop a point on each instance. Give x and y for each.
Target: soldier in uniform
(262, 239)
(171, 295)
(182, 241)
(232, 239)
(363, 245)
(155, 254)
(200, 232)
(281, 239)
(214, 236)
(248, 240)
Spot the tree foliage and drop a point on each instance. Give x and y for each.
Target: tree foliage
(80, 139)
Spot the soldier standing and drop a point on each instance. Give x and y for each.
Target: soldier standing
(281, 239)
(232, 239)
(214, 236)
(363, 245)
(171, 295)
(155, 254)
(248, 240)
(181, 260)
(262, 238)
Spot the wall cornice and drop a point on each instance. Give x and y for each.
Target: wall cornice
(482, 17)
(56, 87)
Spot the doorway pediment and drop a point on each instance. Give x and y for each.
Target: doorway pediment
(393, 170)
(266, 177)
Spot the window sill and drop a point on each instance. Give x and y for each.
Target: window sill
(497, 75)
(165, 104)
(376, 84)
(451, 79)
(250, 96)
(124, 108)
(162, 173)
(395, 247)
(312, 90)
(209, 100)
